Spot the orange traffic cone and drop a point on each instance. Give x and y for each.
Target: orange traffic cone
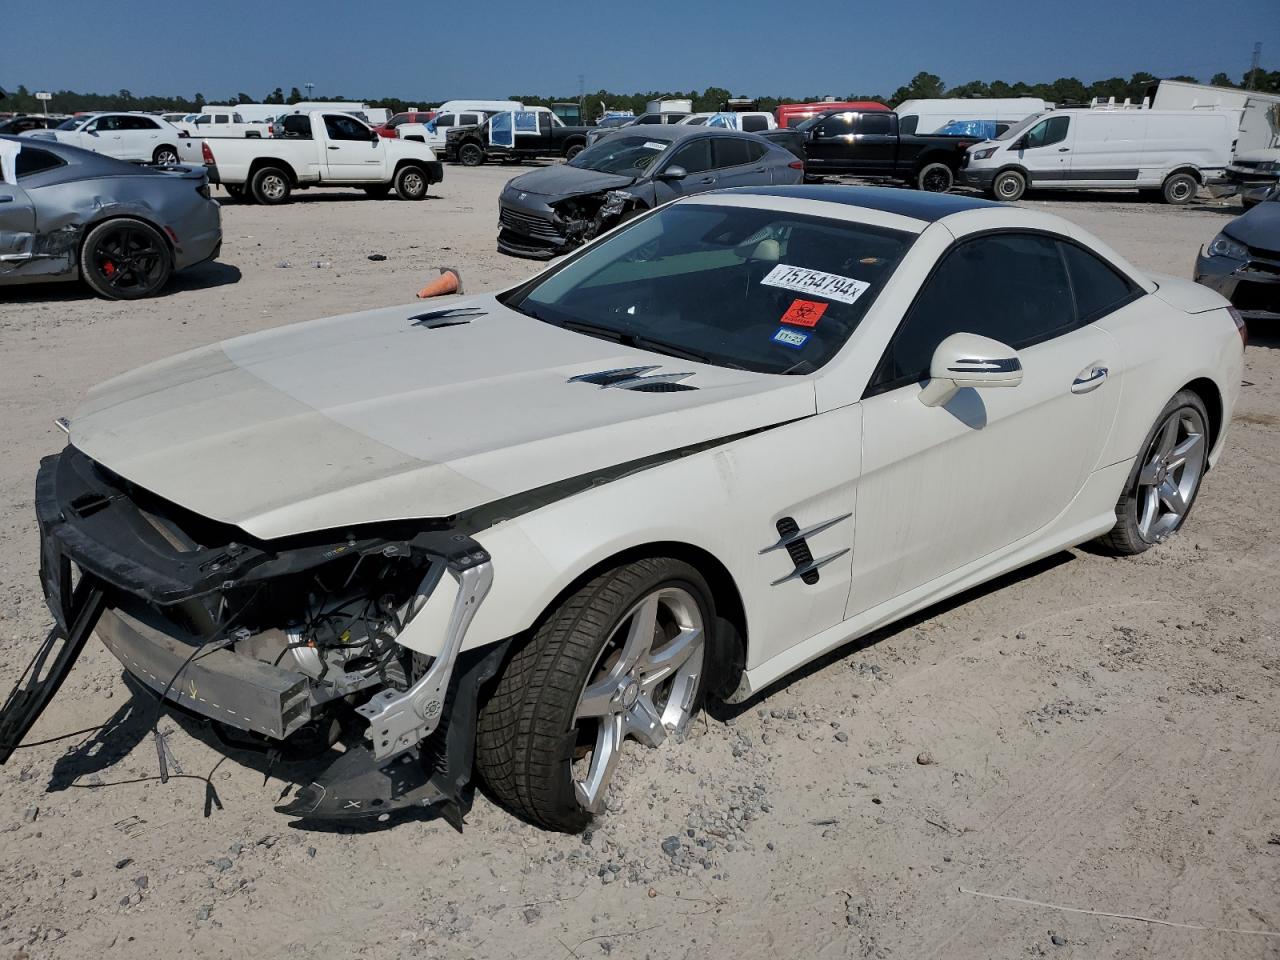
(442, 285)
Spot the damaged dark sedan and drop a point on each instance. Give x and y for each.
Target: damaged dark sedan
(124, 229)
(548, 212)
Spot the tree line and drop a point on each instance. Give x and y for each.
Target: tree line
(923, 85)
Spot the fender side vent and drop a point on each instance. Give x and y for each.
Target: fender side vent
(662, 387)
(642, 379)
(798, 549)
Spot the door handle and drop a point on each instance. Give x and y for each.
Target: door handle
(1063, 149)
(332, 147)
(1091, 378)
(6, 199)
(707, 180)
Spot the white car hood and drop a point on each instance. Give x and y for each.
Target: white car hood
(369, 417)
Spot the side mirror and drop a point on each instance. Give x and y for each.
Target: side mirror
(673, 172)
(968, 360)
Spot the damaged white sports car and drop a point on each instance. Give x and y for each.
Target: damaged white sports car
(507, 535)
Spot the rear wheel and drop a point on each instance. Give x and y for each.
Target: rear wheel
(125, 259)
(621, 658)
(269, 185)
(1009, 185)
(1165, 478)
(470, 155)
(166, 155)
(935, 178)
(1180, 188)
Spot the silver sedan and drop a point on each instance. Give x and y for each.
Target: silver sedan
(124, 229)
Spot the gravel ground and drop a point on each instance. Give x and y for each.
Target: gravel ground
(1094, 733)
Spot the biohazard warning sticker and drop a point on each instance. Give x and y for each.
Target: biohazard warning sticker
(829, 285)
(804, 313)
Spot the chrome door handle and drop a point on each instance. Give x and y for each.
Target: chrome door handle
(1089, 379)
(708, 180)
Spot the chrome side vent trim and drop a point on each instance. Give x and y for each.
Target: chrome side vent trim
(636, 378)
(795, 541)
(449, 317)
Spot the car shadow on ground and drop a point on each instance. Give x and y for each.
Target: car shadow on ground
(1265, 334)
(310, 196)
(724, 712)
(204, 276)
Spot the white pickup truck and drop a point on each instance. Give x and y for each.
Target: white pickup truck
(320, 148)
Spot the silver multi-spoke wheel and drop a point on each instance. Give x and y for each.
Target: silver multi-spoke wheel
(1170, 476)
(643, 687)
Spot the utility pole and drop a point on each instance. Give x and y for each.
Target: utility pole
(308, 85)
(582, 98)
(1253, 66)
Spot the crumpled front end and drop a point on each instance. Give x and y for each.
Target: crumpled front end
(539, 228)
(280, 640)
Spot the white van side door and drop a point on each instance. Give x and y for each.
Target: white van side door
(1045, 151)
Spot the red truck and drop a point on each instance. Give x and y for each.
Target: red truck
(789, 114)
(388, 129)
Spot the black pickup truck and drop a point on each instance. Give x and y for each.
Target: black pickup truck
(472, 145)
(869, 145)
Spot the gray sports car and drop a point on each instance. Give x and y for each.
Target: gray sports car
(122, 228)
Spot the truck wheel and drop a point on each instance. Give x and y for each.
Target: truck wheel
(377, 190)
(269, 185)
(1009, 185)
(166, 155)
(574, 150)
(411, 183)
(935, 178)
(1179, 188)
(621, 658)
(125, 259)
(470, 155)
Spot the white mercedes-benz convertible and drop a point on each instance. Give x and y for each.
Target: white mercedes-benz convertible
(500, 536)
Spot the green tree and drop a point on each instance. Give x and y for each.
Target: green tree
(923, 86)
(1221, 80)
(243, 98)
(295, 95)
(275, 96)
(199, 101)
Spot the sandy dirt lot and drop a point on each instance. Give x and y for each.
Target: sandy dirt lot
(1103, 734)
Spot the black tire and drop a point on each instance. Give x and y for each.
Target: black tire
(411, 183)
(573, 150)
(125, 259)
(471, 155)
(1179, 188)
(166, 155)
(1126, 537)
(935, 178)
(270, 186)
(526, 738)
(1009, 185)
(378, 191)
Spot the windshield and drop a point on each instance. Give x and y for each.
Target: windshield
(1020, 126)
(620, 154)
(806, 124)
(758, 290)
(71, 123)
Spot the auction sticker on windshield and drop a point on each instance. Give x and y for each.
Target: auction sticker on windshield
(790, 338)
(829, 285)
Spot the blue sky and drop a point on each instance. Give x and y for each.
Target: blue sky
(494, 48)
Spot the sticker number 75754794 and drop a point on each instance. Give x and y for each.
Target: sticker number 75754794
(829, 285)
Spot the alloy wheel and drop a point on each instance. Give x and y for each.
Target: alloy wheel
(1171, 474)
(128, 259)
(643, 687)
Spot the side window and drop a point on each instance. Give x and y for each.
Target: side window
(756, 151)
(297, 126)
(730, 151)
(875, 123)
(221, 118)
(1099, 289)
(446, 120)
(31, 161)
(203, 120)
(236, 118)
(342, 127)
(836, 125)
(695, 157)
(754, 124)
(907, 125)
(138, 123)
(468, 119)
(649, 118)
(1048, 132)
(1008, 286)
(107, 124)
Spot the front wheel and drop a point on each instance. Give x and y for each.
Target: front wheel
(470, 155)
(574, 150)
(1009, 185)
(1180, 188)
(619, 659)
(935, 178)
(125, 259)
(411, 183)
(1165, 478)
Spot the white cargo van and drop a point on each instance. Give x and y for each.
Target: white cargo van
(483, 106)
(1163, 154)
(928, 116)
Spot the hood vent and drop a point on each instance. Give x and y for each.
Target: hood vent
(637, 378)
(449, 317)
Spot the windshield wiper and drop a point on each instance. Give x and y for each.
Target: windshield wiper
(670, 349)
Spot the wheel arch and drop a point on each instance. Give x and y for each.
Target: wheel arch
(1211, 396)
(409, 162)
(123, 215)
(260, 162)
(1193, 171)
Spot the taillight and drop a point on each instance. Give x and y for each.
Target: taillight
(1241, 327)
(796, 164)
(205, 153)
